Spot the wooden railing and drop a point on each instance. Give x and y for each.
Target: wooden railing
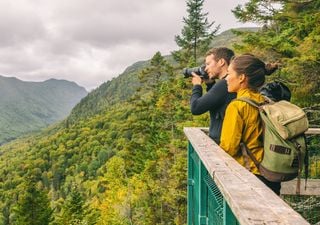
(221, 191)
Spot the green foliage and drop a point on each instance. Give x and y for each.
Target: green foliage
(33, 207)
(75, 211)
(261, 11)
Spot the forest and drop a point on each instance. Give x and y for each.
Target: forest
(120, 157)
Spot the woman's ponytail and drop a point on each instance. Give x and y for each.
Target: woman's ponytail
(270, 68)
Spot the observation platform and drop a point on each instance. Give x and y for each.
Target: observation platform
(222, 192)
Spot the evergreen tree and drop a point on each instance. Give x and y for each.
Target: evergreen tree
(260, 11)
(75, 211)
(33, 207)
(5, 219)
(157, 70)
(196, 34)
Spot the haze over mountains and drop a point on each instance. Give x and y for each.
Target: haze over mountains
(30, 106)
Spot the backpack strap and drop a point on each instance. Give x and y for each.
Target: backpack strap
(306, 165)
(249, 101)
(246, 154)
(298, 146)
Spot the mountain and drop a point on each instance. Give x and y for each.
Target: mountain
(228, 38)
(29, 106)
(118, 89)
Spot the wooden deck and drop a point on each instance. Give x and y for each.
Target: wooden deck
(313, 187)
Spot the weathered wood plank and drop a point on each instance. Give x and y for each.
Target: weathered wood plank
(313, 187)
(249, 199)
(308, 132)
(313, 131)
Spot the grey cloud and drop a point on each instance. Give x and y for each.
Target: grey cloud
(91, 41)
(19, 25)
(110, 25)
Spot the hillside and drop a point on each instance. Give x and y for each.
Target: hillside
(228, 38)
(29, 106)
(117, 90)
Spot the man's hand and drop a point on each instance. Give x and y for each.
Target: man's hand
(196, 79)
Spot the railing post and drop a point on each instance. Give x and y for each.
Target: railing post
(197, 190)
(190, 189)
(228, 217)
(203, 195)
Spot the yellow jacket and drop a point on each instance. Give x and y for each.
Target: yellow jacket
(243, 124)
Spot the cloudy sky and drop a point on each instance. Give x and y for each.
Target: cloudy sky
(92, 41)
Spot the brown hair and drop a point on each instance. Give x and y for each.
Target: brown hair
(221, 53)
(254, 69)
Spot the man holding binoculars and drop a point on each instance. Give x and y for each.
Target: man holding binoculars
(217, 97)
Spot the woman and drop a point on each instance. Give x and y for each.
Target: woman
(242, 124)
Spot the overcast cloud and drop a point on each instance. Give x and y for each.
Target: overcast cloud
(92, 41)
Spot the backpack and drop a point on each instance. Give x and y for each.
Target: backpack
(276, 91)
(285, 150)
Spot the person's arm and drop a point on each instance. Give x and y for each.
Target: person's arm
(232, 129)
(209, 85)
(215, 97)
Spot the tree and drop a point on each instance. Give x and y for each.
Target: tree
(75, 211)
(33, 207)
(5, 217)
(196, 34)
(290, 35)
(151, 77)
(261, 11)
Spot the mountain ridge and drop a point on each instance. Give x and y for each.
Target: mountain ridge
(27, 106)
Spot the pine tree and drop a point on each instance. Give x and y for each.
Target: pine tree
(260, 11)
(159, 69)
(5, 218)
(75, 211)
(33, 207)
(196, 34)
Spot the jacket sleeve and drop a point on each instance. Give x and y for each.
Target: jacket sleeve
(232, 129)
(215, 97)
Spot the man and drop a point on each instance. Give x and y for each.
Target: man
(217, 97)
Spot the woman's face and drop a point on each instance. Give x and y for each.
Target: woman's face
(234, 80)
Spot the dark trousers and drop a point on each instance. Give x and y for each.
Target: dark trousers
(274, 186)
